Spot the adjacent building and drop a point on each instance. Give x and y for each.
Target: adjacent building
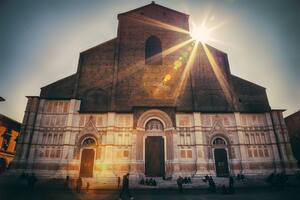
(153, 102)
(9, 132)
(293, 125)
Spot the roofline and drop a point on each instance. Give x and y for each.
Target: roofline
(58, 80)
(295, 113)
(235, 76)
(1, 115)
(105, 42)
(153, 3)
(282, 110)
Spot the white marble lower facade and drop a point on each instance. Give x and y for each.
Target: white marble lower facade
(56, 139)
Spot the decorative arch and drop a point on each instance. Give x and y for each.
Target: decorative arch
(87, 136)
(154, 125)
(221, 136)
(154, 114)
(88, 141)
(153, 51)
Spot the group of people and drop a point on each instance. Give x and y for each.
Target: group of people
(181, 181)
(211, 183)
(224, 190)
(148, 182)
(279, 179)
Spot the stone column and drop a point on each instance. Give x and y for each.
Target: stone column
(201, 162)
(272, 140)
(110, 137)
(69, 137)
(241, 141)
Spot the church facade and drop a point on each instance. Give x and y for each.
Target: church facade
(152, 102)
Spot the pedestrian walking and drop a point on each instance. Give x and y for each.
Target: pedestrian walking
(125, 192)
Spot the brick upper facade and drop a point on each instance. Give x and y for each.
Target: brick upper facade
(113, 76)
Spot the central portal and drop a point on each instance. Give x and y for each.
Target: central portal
(154, 156)
(87, 163)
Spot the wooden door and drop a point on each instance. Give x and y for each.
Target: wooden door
(87, 163)
(154, 156)
(221, 163)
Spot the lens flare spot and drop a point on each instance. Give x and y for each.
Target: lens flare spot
(177, 64)
(167, 77)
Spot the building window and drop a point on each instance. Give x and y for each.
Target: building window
(263, 138)
(119, 140)
(55, 139)
(182, 139)
(233, 153)
(52, 153)
(182, 153)
(47, 153)
(266, 152)
(255, 152)
(153, 51)
(188, 139)
(247, 138)
(126, 154)
(189, 153)
(252, 138)
(57, 153)
(60, 139)
(49, 139)
(258, 138)
(260, 151)
(250, 152)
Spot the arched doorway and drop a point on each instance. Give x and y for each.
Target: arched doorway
(87, 158)
(220, 155)
(154, 150)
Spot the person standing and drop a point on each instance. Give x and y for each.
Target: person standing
(231, 183)
(31, 181)
(119, 182)
(78, 184)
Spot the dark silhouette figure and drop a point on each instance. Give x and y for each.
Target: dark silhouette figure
(142, 181)
(179, 184)
(211, 185)
(224, 189)
(78, 184)
(119, 182)
(125, 193)
(67, 182)
(31, 181)
(206, 178)
(231, 185)
(87, 186)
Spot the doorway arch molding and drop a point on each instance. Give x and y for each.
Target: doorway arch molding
(154, 114)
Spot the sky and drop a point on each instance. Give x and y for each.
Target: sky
(40, 42)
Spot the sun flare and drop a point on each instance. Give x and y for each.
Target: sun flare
(200, 33)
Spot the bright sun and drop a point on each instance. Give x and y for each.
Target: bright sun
(200, 33)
